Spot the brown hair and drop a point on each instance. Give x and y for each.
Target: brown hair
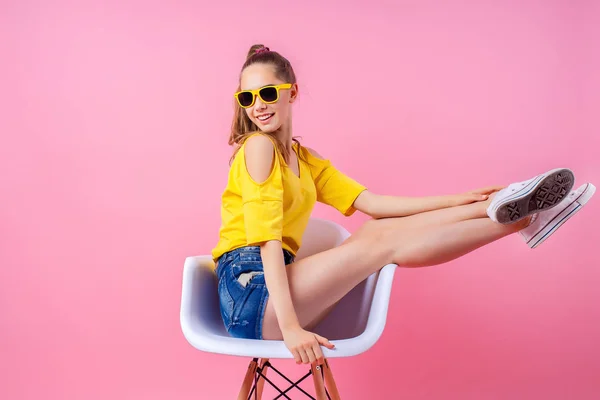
(242, 127)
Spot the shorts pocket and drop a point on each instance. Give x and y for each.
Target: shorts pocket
(239, 307)
(247, 311)
(226, 302)
(244, 270)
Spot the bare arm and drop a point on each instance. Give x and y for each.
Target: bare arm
(382, 206)
(259, 155)
(278, 285)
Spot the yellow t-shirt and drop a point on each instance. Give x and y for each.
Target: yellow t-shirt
(279, 208)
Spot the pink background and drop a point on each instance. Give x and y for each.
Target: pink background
(114, 120)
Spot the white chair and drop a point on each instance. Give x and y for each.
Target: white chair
(353, 326)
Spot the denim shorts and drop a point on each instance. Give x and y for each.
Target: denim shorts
(242, 290)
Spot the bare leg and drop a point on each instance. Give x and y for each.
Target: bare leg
(417, 221)
(321, 280)
(433, 246)
(435, 218)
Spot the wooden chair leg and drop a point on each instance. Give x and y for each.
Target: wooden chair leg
(321, 374)
(318, 381)
(248, 381)
(330, 382)
(261, 382)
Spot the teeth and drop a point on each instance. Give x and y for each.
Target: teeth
(264, 117)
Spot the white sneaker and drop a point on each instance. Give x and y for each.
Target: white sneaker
(547, 222)
(522, 199)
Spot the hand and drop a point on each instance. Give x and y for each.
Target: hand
(487, 190)
(474, 195)
(305, 345)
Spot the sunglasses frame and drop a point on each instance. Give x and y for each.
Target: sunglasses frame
(256, 92)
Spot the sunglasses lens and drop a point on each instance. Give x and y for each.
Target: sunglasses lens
(268, 94)
(245, 98)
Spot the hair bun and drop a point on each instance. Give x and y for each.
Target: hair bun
(262, 50)
(257, 49)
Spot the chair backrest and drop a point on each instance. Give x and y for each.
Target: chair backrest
(349, 318)
(321, 235)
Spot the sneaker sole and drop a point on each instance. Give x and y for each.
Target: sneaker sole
(562, 217)
(544, 195)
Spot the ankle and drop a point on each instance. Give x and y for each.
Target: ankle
(525, 222)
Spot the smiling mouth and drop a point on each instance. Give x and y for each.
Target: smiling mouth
(265, 117)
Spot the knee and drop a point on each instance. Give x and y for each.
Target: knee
(369, 227)
(374, 238)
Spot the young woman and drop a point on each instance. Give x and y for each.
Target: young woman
(273, 185)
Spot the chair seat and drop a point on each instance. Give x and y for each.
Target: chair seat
(353, 326)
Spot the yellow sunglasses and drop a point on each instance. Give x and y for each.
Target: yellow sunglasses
(268, 95)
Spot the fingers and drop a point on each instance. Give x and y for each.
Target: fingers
(471, 198)
(310, 352)
(297, 356)
(304, 358)
(325, 342)
(304, 355)
(488, 189)
(305, 346)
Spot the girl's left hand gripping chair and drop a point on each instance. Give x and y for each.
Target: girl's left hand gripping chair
(354, 325)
